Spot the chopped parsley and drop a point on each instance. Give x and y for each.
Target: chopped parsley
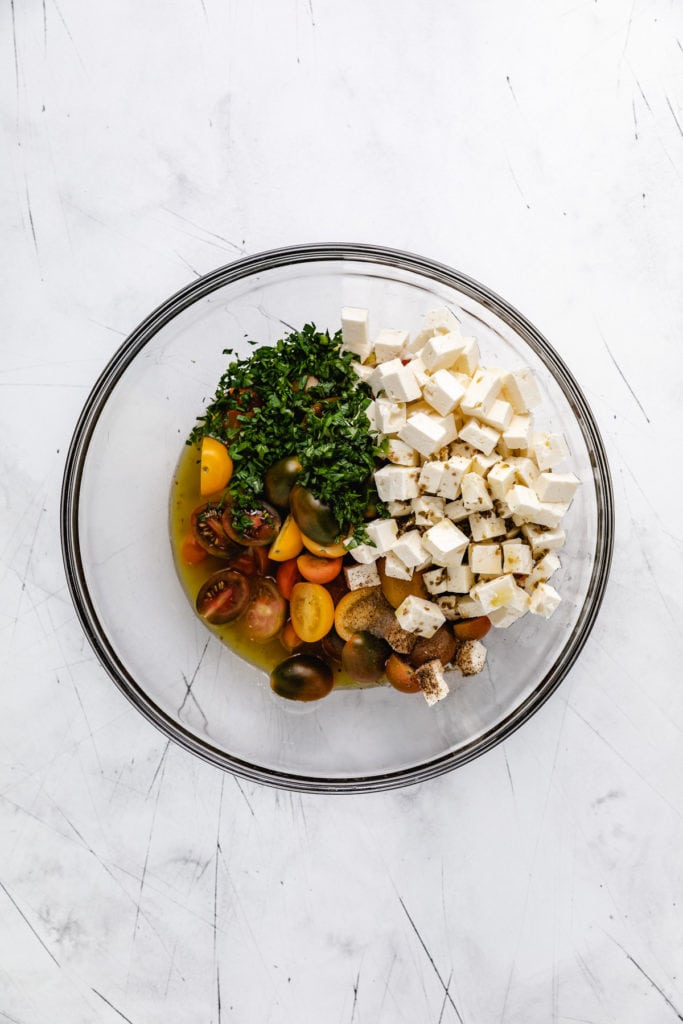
(299, 397)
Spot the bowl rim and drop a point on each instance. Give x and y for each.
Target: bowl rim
(112, 373)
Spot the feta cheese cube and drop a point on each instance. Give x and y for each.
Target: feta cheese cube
(484, 388)
(470, 608)
(544, 600)
(475, 494)
(486, 559)
(468, 360)
(424, 433)
(480, 436)
(459, 579)
(445, 542)
(371, 413)
(454, 469)
(430, 679)
(495, 593)
(355, 336)
(410, 549)
(383, 533)
(448, 603)
(449, 426)
(470, 657)
(389, 415)
(397, 483)
(399, 383)
(419, 370)
(556, 486)
(525, 470)
(486, 527)
(523, 502)
(501, 618)
(443, 391)
(481, 463)
(435, 581)
(500, 479)
(522, 390)
(517, 557)
(364, 553)
(441, 351)
(358, 576)
(543, 570)
(420, 616)
(430, 476)
(394, 567)
(363, 371)
(456, 511)
(498, 415)
(389, 344)
(549, 450)
(543, 540)
(436, 321)
(549, 513)
(518, 433)
(399, 508)
(400, 453)
(428, 510)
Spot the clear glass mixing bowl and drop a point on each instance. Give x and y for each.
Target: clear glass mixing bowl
(121, 573)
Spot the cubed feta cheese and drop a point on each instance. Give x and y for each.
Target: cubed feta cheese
(479, 436)
(556, 486)
(424, 433)
(443, 391)
(364, 553)
(518, 433)
(363, 371)
(543, 540)
(525, 470)
(420, 616)
(549, 513)
(400, 453)
(470, 657)
(445, 542)
(456, 511)
(448, 603)
(454, 469)
(500, 479)
(543, 570)
(430, 476)
(486, 527)
(355, 336)
(428, 510)
(441, 351)
(486, 559)
(394, 567)
(449, 425)
(483, 390)
(459, 579)
(549, 450)
(482, 464)
(398, 381)
(430, 679)
(501, 618)
(522, 390)
(389, 344)
(358, 576)
(495, 593)
(470, 608)
(517, 557)
(498, 415)
(371, 413)
(389, 415)
(410, 549)
(383, 533)
(544, 600)
(523, 502)
(397, 483)
(435, 581)
(475, 493)
(419, 370)
(468, 360)
(436, 321)
(399, 508)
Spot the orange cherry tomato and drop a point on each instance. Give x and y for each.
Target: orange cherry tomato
(318, 570)
(288, 542)
(215, 466)
(191, 552)
(472, 629)
(287, 575)
(289, 638)
(323, 550)
(401, 675)
(312, 611)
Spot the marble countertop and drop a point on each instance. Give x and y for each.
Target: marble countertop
(539, 149)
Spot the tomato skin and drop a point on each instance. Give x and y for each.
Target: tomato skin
(280, 479)
(215, 467)
(441, 645)
(312, 611)
(302, 677)
(265, 525)
(265, 613)
(223, 597)
(364, 657)
(336, 550)
(289, 638)
(314, 518)
(401, 675)
(472, 629)
(287, 576)
(332, 646)
(206, 523)
(191, 552)
(318, 570)
(288, 542)
(396, 591)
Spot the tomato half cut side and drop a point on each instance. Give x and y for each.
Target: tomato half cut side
(252, 527)
(312, 611)
(318, 570)
(206, 523)
(266, 611)
(223, 597)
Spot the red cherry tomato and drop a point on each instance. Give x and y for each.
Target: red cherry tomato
(287, 575)
(223, 597)
(266, 611)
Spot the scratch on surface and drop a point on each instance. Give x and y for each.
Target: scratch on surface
(519, 187)
(635, 963)
(189, 685)
(507, 79)
(187, 264)
(445, 997)
(246, 798)
(30, 218)
(621, 374)
(144, 866)
(162, 763)
(215, 899)
(640, 88)
(355, 996)
(445, 987)
(44, 27)
(635, 119)
(673, 114)
(28, 923)
(68, 32)
(213, 234)
(628, 28)
(16, 53)
(114, 1008)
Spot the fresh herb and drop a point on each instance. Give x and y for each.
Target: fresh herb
(299, 397)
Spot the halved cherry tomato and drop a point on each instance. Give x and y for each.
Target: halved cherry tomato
(396, 591)
(472, 629)
(207, 527)
(261, 524)
(288, 542)
(289, 638)
(191, 552)
(287, 575)
(223, 597)
(401, 675)
(318, 570)
(215, 466)
(266, 611)
(250, 561)
(332, 646)
(357, 610)
(323, 550)
(312, 611)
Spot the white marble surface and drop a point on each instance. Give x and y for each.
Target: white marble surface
(537, 147)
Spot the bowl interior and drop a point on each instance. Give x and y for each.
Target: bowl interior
(136, 612)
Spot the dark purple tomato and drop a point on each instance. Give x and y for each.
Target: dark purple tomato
(266, 612)
(253, 527)
(332, 646)
(441, 646)
(314, 518)
(302, 677)
(223, 597)
(280, 479)
(206, 523)
(364, 657)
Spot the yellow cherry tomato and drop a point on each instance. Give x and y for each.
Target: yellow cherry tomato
(216, 466)
(312, 611)
(288, 543)
(323, 550)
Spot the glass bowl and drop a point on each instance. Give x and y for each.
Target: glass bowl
(118, 560)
